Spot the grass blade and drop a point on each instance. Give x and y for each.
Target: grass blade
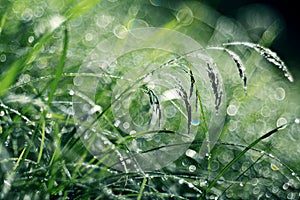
(60, 67)
(142, 189)
(234, 160)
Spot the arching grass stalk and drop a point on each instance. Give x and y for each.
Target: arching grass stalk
(234, 160)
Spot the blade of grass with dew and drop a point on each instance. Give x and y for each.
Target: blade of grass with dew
(142, 189)
(42, 141)
(19, 159)
(234, 160)
(60, 67)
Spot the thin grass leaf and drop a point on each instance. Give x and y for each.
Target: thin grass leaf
(81, 8)
(142, 189)
(19, 159)
(268, 54)
(42, 141)
(60, 66)
(234, 160)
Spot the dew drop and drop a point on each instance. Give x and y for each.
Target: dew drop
(232, 110)
(285, 186)
(190, 153)
(2, 58)
(126, 125)
(279, 94)
(256, 190)
(30, 39)
(185, 16)
(281, 121)
(185, 162)
(192, 168)
(120, 31)
(71, 92)
(297, 120)
(2, 113)
(181, 181)
(49, 115)
(117, 123)
(195, 122)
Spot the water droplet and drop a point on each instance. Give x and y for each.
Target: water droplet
(191, 153)
(71, 92)
(30, 39)
(192, 168)
(104, 20)
(117, 123)
(96, 108)
(49, 115)
(56, 21)
(291, 195)
(185, 16)
(155, 2)
(232, 110)
(181, 181)
(185, 162)
(256, 190)
(285, 186)
(137, 23)
(195, 122)
(132, 132)
(88, 37)
(281, 121)
(241, 184)
(126, 125)
(27, 14)
(2, 58)
(279, 94)
(2, 113)
(297, 120)
(120, 31)
(274, 167)
(170, 111)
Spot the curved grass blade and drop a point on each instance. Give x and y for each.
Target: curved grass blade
(234, 160)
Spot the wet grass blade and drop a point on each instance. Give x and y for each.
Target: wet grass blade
(60, 67)
(142, 189)
(234, 160)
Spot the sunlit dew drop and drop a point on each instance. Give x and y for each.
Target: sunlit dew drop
(190, 153)
(281, 121)
(285, 186)
(181, 181)
(192, 168)
(155, 2)
(185, 16)
(49, 115)
(232, 110)
(297, 120)
(2, 113)
(126, 125)
(30, 39)
(117, 123)
(71, 92)
(137, 23)
(120, 31)
(195, 122)
(56, 21)
(279, 94)
(27, 14)
(2, 58)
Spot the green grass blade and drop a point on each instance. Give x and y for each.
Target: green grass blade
(142, 189)
(234, 160)
(80, 8)
(42, 141)
(60, 67)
